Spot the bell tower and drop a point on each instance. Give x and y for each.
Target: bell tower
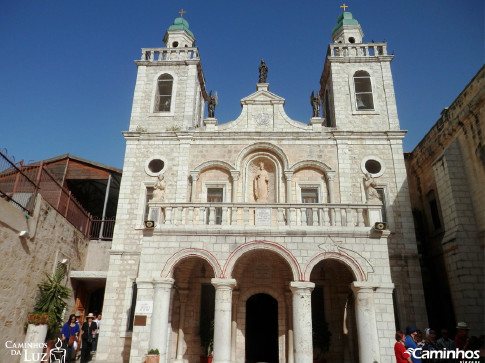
(357, 90)
(170, 86)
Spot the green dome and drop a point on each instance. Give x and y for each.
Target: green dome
(345, 18)
(181, 24)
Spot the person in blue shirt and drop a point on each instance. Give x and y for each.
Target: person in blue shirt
(71, 327)
(410, 343)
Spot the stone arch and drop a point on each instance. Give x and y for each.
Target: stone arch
(348, 261)
(264, 245)
(260, 146)
(178, 256)
(214, 164)
(311, 164)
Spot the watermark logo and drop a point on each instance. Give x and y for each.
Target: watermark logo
(33, 352)
(463, 356)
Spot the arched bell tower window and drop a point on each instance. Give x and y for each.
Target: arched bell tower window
(164, 93)
(363, 91)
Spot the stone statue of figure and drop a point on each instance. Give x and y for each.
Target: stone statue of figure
(159, 190)
(315, 102)
(211, 104)
(263, 72)
(261, 185)
(370, 191)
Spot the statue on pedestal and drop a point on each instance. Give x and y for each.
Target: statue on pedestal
(315, 102)
(211, 104)
(263, 72)
(261, 185)
(371, 193)
(159, 190)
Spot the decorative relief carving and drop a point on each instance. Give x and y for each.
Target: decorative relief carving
(262, 119)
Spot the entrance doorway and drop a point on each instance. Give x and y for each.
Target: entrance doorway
(261, 329)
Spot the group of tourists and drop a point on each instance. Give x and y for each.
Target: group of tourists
(85, 336)
(416, 346)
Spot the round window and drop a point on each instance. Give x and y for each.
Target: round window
(155, 166)
(372, 165)
(175, 44)
(352, 40)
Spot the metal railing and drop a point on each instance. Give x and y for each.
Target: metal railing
(102, 228)
(19, 185)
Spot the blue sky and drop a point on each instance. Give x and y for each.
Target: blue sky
(67, 73)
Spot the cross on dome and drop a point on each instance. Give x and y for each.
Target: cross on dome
(182, 12)
(344, 6)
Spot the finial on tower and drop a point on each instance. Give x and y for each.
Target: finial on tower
(182, 12)
(344, 7)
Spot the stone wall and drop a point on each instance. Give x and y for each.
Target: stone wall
(447, 170)
(25, 261)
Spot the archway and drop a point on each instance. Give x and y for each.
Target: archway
(333, 316)
(261, 329)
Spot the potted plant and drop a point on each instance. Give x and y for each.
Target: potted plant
(46, 319)
(153, 356)
(206, 333)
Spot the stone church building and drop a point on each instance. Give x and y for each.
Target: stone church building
(294, 240)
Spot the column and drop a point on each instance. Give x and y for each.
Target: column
(194, 176)
(235, 299)
(289, 321)
(159, 320)
(235, 178)
(366, 322)
(222, 319)
(302, 321)
(288, 176)
(180, 338)
(330, 178)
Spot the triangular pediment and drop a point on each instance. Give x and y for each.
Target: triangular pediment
(262, 97)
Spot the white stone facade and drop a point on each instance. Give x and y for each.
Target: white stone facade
(214, 230)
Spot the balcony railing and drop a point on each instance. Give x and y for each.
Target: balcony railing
(272, 215)
(169, 54)
(357, 50)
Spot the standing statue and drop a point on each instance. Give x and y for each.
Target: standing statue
(315, 102)
(159, 190)
(261, 185)
(211, 104)
(263, 72)
(371, 193)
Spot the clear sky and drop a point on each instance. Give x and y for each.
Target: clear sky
(67, 73)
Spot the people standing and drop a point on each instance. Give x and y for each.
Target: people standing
(96, 337)
(402, 355)
(70, 328)
(410, 343)
(87, 331)
(445, 342)
(461, 338)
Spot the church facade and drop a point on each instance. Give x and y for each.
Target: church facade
(264, 239)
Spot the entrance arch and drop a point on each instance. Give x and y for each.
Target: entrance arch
(261, 329)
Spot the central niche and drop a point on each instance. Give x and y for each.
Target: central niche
(261, 181)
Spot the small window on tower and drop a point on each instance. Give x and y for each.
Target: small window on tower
(363, 91)
(164, 93)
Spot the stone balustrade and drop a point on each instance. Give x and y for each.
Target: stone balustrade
(169, 54)
(270, 215)
(357, 50)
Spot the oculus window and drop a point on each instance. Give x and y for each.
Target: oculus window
(363, 91)
(164, 93)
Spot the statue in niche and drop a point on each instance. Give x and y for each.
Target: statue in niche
(371, 193)
(261, 185)
(263, 72)
(315, 102)
(159, 190)
(211, 104)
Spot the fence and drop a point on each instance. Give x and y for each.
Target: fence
(19, 186)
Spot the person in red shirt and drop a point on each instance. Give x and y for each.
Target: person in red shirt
(462, 341)
(402, 355)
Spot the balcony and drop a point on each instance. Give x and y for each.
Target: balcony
(236, 215)
(357, 50)
(169, 54)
